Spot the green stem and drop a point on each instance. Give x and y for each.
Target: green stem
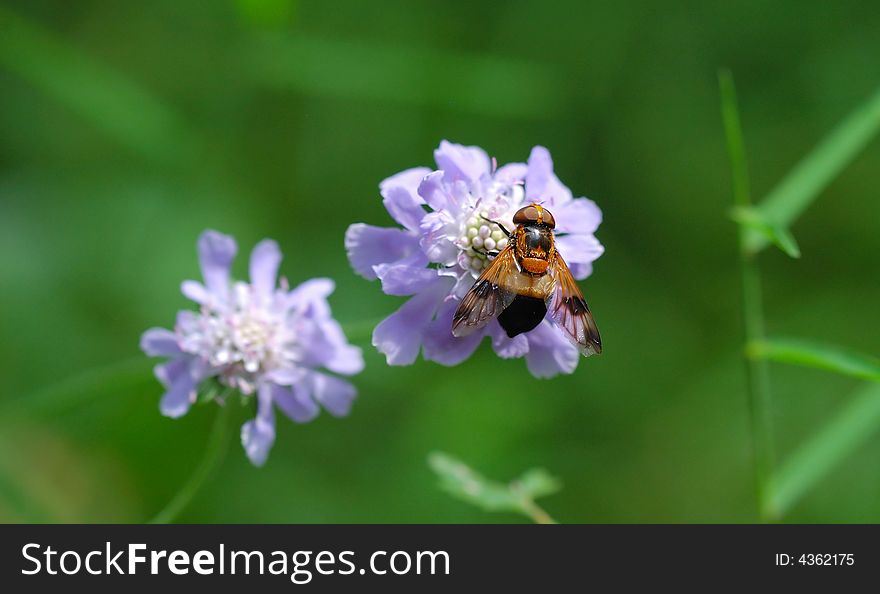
(537, 513)
(214, 454)
(532, 509)
(757, 375)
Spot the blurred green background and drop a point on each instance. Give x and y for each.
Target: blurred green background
(128, 128)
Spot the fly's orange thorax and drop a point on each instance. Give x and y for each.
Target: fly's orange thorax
(533, 247)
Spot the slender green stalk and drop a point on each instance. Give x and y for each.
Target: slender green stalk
(532, 509)
(215, 451)
(803, 185)
(845, 432)
(757, 375)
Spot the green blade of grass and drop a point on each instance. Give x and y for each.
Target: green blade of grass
(818, 355)
(820, 454)
(112, 102)
(791, 197)
(777, 235)
(757, 373)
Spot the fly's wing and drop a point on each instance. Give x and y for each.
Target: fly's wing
(488, 297)
(569, 310)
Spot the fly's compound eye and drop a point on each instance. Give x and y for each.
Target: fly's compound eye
(532, 214)
(526, 215)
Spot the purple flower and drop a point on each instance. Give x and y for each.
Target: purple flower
(256, 338)
(431, 257)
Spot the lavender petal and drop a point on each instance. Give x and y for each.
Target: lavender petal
(542, 185)
(258, 435)
(296, 402)
(468, 163)
(368, 246)
(264, 263)
(159, 342)
(216, 252)
(441, 346)
(550, 353)
(399, 336)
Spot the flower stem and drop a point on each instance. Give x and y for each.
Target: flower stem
(536, 513)
(757, 375)
(218, 444)
(532, 509)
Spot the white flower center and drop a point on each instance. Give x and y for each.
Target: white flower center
(479, 236)
(243, 340)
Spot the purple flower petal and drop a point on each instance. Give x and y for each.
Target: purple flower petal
(216, 252)
(441, 346)
(186, 321)
(434, 192)
(581, 270)
(401, 198)
(167, 373)
(196, 291)
(285, 376)
(296, 402)
(258, 435)
(333, 393)
(402, 206)
(180, 396)
(550, 352)
(438, 230)
(342, 357)
(577, 249)
(407, 276)
(368, 246)
(462, 162)
(399, 336)
(265, 260)
(542, 185)
(408, 179)
(511, 173)
(316, 289)
(159, 342)
(578, 216)
(506, 347)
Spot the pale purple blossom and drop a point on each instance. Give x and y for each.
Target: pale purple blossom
(431, 257)
(259, 339)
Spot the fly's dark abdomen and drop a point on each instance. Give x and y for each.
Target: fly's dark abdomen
(522, 315)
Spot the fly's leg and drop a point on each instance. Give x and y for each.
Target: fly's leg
(492, 253)
(500, 226)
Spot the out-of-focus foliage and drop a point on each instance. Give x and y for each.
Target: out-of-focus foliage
(818, 355)
(126, 129)
(518, 496)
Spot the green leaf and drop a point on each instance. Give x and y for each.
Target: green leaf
(791, 197)
(818, 355)
(750, 220)
(819, 455)
(782, 238)
(536, 483)
(463, 482)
